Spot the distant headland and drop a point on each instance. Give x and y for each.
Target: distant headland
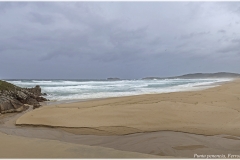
(200, 75)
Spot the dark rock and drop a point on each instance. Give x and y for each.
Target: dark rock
(8, 105)
(36, 106)
(113, 79)
(21, 96)
(36, 90)
(31, 101)
(13, 98)
(44, 94)
(41, 99)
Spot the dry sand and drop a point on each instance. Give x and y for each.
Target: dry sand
(208, 112)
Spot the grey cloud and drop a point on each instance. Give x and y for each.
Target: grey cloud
(194, 34)
(5, 5)
(236, 40)
(233, 49)
(40, 18)
(124, 39)
(222, 31)
(66, 52)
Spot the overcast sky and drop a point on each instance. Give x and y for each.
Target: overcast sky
(117, 39)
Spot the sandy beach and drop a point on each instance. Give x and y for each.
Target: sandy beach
(31, 142)
(178, 124)
(208, 112)
(21, 147)
(120, 80)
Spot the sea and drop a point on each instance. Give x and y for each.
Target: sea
(69, 89)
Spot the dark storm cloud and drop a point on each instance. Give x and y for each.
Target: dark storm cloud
(236, 40)
(120, 39)
(222, 31)
(192, 35)
(44, 19)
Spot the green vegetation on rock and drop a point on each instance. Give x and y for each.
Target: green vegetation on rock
(7, 86)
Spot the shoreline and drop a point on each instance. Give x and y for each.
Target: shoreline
(161, 143)
(194, 88)
(88, 113)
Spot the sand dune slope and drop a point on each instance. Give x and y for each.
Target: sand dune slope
(209, 112)
(21, 147)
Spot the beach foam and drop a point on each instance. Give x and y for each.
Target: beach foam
(90, 89)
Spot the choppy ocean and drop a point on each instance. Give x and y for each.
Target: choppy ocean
(91, 89)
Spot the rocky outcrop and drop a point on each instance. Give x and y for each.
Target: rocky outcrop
(36, 90)
(8, 104)
(113, 79)
(14, 98)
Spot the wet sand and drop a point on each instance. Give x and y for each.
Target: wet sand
(21, 147)
(31, 142)
(161, 143)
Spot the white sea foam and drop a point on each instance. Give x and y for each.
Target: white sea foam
(80, 89)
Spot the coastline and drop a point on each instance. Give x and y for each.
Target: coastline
(194, 88)
(159, 142)
(141, 113)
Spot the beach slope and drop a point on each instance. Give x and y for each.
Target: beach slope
(209, 112)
